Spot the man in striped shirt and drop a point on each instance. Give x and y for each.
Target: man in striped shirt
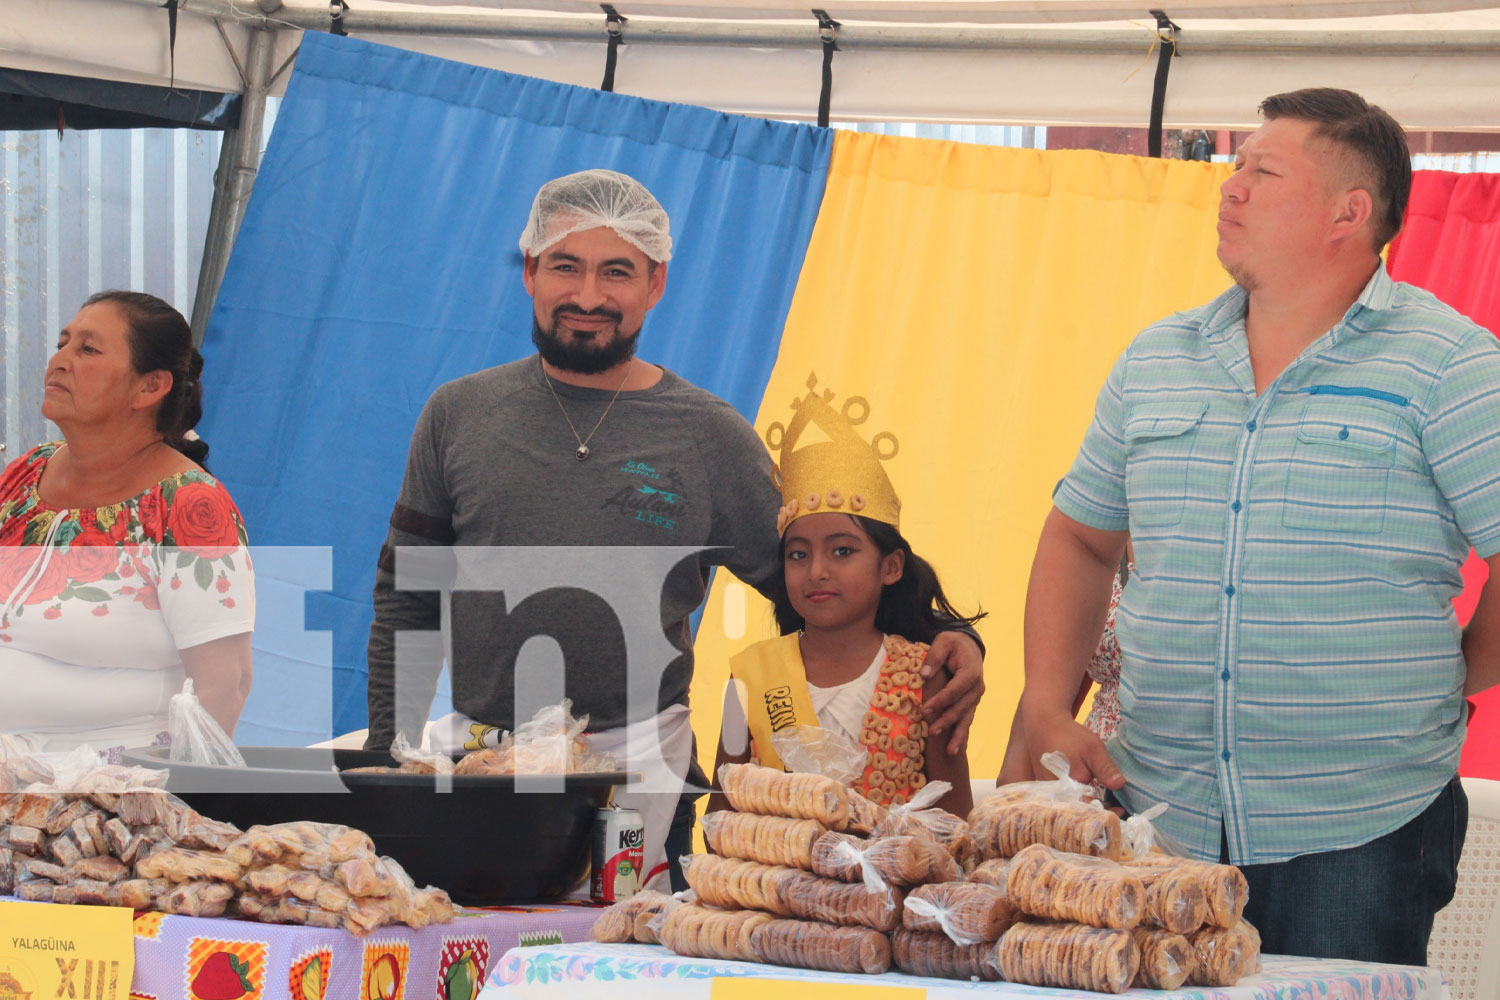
(1302, 466)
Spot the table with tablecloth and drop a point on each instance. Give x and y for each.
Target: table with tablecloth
(591, 971)
(196, 958)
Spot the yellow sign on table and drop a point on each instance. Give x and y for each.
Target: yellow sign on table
(756, 988)
(76, 952)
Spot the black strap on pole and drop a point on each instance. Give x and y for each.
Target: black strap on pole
(1166, 38)
(336, 9)
(171, 7)
(614, 23)
(828, 31)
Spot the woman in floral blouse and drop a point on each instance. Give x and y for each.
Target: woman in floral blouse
(123, 563)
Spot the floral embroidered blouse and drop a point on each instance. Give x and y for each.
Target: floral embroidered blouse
(1104, 668)
(98, 601)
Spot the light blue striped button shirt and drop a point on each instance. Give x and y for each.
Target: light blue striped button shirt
(1291, 669)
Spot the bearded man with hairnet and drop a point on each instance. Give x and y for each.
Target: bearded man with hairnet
(584, 444)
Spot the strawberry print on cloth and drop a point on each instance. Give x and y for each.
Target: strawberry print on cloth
(225, 970)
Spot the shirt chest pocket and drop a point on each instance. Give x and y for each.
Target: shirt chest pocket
(1339, 472)
(1159, 443)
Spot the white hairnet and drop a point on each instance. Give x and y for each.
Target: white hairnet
(593, 198)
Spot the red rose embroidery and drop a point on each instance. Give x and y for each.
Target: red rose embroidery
(44, 578)
(92, 554)
(152, 510)
(121, 526)
(222, 584)
(228, 602)
(142, 567)
(147, 597)
(53, 613)
(202, 520)
(100, 611)
(176, 582)
(12, 528)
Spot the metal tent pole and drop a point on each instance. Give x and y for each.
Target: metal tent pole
(239, 159)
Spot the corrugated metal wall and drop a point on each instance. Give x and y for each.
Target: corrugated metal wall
(85, 212)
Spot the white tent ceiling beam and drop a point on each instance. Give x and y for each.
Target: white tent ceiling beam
(1435, 69)
(971, 11)
(638, 30)
(110, 40)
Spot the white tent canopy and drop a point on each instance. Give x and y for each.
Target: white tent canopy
(1432, 64)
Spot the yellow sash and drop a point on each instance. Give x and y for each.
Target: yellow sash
(775, 691)
(775, 697)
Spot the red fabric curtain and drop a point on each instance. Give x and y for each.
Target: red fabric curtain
(1450, 246)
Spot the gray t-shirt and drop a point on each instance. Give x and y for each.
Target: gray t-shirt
(492, 464)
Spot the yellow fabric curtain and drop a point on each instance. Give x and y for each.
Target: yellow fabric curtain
(976, 297)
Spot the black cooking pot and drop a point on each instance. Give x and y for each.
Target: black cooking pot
(486, 839)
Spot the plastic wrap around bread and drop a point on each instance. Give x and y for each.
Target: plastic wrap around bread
(1073, 956)
(102, 834)
(1224, 886)
(736, 884)
(1061, 886)
(1225, 954)
(698, 931)
(755, 789)
(935, 824)
(967, 913)
(807, 944)
(993, 873)
(771, 840)
(617, 924)
(1175, 899)
(899, 861)
(864, 814)
(812, 897)
(1167, 959)
(1002, 830)
(922, 954)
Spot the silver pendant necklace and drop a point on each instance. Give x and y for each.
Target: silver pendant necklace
(583, 442)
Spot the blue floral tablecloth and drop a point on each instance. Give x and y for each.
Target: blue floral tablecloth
(592, 971)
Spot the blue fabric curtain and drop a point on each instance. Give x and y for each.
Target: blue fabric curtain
(378, 260)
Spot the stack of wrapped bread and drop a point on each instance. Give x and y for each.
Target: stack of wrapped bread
(1030, 890)
(1097, 917)
(112, 836)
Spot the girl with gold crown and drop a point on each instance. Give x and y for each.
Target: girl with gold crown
(856, 608)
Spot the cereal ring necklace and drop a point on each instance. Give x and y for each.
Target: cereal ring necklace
(583, 442)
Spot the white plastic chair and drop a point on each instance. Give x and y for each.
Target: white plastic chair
(1466, 934)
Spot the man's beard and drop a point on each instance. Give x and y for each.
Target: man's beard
(1241, 275)
(583, 357)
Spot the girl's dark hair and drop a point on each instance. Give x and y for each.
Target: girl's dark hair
(160, 340)
(914, 607)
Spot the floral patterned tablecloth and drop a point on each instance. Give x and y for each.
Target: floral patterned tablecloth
(190, 958)
(593, 971)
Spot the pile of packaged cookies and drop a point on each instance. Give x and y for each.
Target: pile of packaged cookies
(1037, 886)
(85, 832)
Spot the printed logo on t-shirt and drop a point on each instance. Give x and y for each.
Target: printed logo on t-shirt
(658, 503)
(634, 468)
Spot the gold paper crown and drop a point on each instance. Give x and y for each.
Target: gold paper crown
(842, 474)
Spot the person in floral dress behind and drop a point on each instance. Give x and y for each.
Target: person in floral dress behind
(123, 563)
(1104, 715)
